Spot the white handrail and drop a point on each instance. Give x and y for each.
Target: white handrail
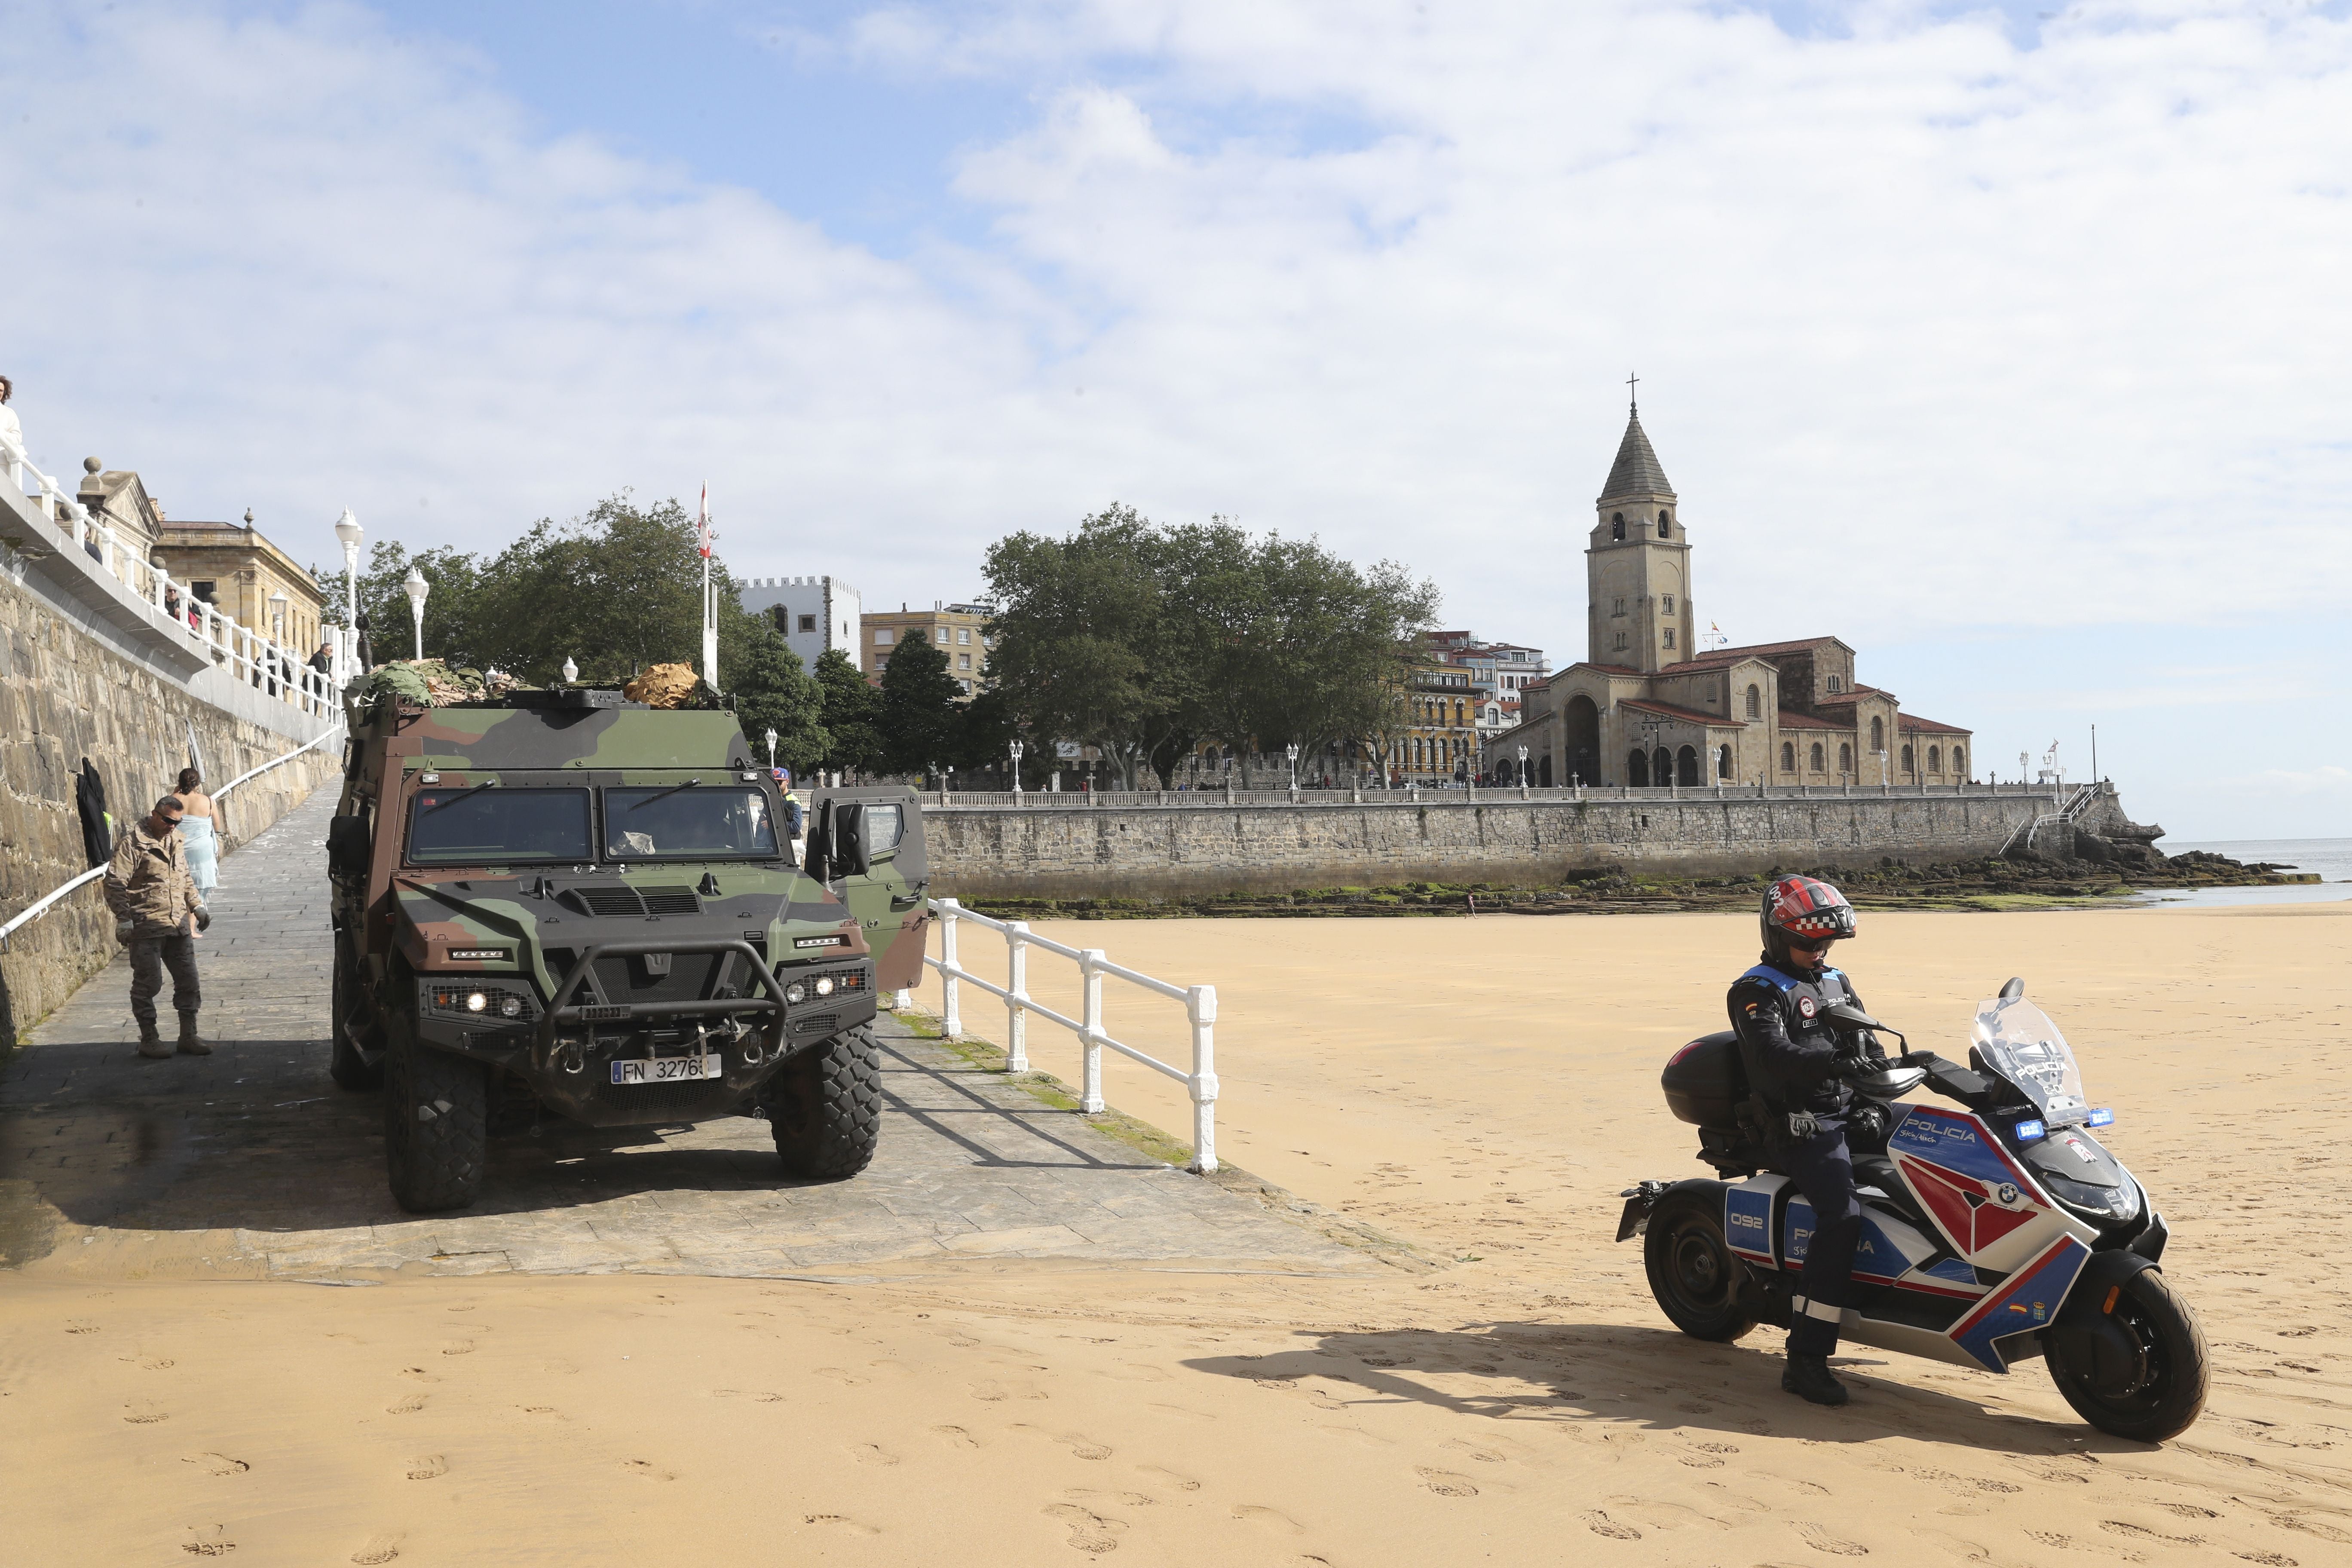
(42, 905)
(1199, 1012)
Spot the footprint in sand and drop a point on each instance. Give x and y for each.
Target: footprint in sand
(1083, 1447)
(377, 1549)
(872, 1454)
(81, 1326)
(840, 1374)
(841, 1522)
(1167, 1476)
(145, 1413)
(157, 1363)
(208, 1541)
(1601, 1523)
(1445, 1483)
(1819, 1539)
(216, 1464)
(418, 1374)
(1089, 1532)
(1482, 1454)
(991, 1390)
(458, 1347)
(407, 1405)
(2268, 1559)
(957, 1438)
(649, 1470)
(429, 1468)
(1272, 1519)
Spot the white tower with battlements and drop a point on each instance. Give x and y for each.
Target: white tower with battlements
(814, 613)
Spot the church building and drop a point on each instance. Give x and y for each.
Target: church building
(1649, 707)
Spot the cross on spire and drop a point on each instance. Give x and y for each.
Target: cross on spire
(1633, 398)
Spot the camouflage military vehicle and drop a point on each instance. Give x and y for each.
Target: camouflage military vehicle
(562, 898)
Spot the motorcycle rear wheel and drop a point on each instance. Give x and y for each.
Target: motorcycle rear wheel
(2150, 1383)
(1699, 1284)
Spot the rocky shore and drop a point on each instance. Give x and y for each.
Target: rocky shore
(2018, 882)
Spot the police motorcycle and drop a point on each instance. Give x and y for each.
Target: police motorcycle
(1991, 1234)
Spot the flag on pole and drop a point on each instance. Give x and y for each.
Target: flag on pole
(702, 525)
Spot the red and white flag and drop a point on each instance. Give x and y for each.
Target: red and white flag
(702, 525)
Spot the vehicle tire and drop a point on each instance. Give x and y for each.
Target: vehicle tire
(346, 1063)
(825, 1108)
(1700, 1285)
(2141, 1370)
(436, 1136)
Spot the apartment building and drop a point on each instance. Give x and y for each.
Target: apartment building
(959, 631)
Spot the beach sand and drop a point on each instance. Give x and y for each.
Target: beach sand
(1482, 1090)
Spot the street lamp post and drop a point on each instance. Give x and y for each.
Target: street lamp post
(1290, 753)
(772, 750)
(348, 531)
(416, 587)
(571, 671)
(1016, 749)
(1523, 773)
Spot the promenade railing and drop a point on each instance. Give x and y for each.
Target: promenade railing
(256, 657)
(1199, 1012)
(1478, 794)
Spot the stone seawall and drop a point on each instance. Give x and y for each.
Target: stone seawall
(1150, 851)
(71, 688)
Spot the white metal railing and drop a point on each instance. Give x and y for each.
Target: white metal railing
(1199, 1012)
(1213, 795)
(42, 905)
(254, 658)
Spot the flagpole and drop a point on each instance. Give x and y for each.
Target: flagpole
(709, 604)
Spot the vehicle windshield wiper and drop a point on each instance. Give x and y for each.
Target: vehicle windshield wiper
(445, 805)
(664, 794)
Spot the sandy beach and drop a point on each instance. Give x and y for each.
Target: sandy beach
(1479, 1089)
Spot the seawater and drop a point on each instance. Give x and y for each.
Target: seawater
(2330, 859)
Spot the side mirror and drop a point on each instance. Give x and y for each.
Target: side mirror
(1847, 1016)
(850, 857)
(2014, 989)
(347, 846)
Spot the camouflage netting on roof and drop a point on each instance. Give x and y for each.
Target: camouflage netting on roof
(671, 686)
(429, 683)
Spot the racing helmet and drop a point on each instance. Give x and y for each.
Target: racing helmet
(1806, 910)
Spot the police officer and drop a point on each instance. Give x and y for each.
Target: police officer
(794, 815)
(1794, 1061)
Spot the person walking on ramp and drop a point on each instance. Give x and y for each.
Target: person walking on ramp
(159, 914)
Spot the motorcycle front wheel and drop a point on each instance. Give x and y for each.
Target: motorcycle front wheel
(1699, 1283)
(2139, 1371)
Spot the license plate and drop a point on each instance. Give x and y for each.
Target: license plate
(665, 1069)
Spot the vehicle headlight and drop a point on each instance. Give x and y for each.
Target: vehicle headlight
(2096, 1203)
(476, 1002)
(796, 991)
(511, 1008)
(824, 984)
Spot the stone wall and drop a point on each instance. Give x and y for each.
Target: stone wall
(1155, 851)
(74, 684)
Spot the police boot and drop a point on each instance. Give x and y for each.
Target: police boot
(1809, 1378)
(191, 1044)
(151, 1042)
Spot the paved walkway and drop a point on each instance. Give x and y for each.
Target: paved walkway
(254, 1160)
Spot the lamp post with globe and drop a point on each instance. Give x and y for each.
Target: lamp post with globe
(348, 533)
(1523, 773)
(1016, 749)
(416, 587)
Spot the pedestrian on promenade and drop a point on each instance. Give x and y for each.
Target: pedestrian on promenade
(324, 661)
(158, 914)
(199, 832)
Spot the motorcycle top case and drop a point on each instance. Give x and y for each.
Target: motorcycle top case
(1706, 1082)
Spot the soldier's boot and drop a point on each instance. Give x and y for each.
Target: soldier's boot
(191, 1044)
(1809, 1377)
(150, 1040)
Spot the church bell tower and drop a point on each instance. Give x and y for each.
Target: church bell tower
(1637, 571)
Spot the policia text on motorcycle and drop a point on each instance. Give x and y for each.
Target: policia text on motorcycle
(1812, 1128)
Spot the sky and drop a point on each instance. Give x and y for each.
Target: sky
(2005, 342)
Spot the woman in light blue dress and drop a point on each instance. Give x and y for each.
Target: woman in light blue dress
(202, 843)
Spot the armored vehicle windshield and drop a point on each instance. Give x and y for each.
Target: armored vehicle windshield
(497, 826)
(689, 822)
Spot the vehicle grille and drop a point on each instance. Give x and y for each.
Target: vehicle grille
(693, 1101)
(671, 900)
(626, 979)
(815, 1023)
(617, 898)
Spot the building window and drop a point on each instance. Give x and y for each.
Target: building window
(963, 635)
(1620, 642)
(1878, 734)
(1934, 759)
(1817, 757)
(1845, 758)
(1670, 637)
(1788, 756)
(963, 661)
(1723, 763)
(1834, 685)
(1906, 759)
(1755, 702)
(1668, 603)
(1617, 606)
(882, 637)
(967, 687)
(1665, 523)
(1959, 762)
(808, 623)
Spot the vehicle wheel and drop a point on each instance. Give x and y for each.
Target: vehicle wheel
(2139, 1371)
(350, 1013)
(435, 1121)
(826, 1106)
(1700, 1285)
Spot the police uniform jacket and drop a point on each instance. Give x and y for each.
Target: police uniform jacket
(1785, 1038)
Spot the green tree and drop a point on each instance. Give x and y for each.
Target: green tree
(850, 712)
(771, 690)
(917, 716)
(985, 732)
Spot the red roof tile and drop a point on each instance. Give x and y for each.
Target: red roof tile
(1912, 724)
(1689, 715)
(1807, 721)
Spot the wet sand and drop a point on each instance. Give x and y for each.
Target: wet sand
(1480, 1089)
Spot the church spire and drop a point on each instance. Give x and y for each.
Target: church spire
(1636, 472)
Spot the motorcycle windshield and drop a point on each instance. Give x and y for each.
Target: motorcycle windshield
(2018, 1041)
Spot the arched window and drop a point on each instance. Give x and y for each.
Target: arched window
(1836, 684)
(1960, 760)
(1934, 759)
(1906, 759)
(1817, 757)
(1662, 768)
(1756, 702)
(1543, 771)
(1723, 763)
(1878, 734)
(1845, 758)
(1637, 769)
(1665, 524)
(1617, 526)
(1686, 767)
(1788, 756)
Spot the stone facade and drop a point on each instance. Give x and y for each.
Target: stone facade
(238, 570)
(1159, 851)
(74, 684)
(1648, 707)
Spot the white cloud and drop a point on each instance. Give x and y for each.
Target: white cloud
(1935, 332)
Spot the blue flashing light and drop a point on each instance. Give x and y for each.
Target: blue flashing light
(2103, 1117)
(2027, 1132)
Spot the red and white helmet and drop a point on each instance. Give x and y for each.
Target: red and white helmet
(1804, 910)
